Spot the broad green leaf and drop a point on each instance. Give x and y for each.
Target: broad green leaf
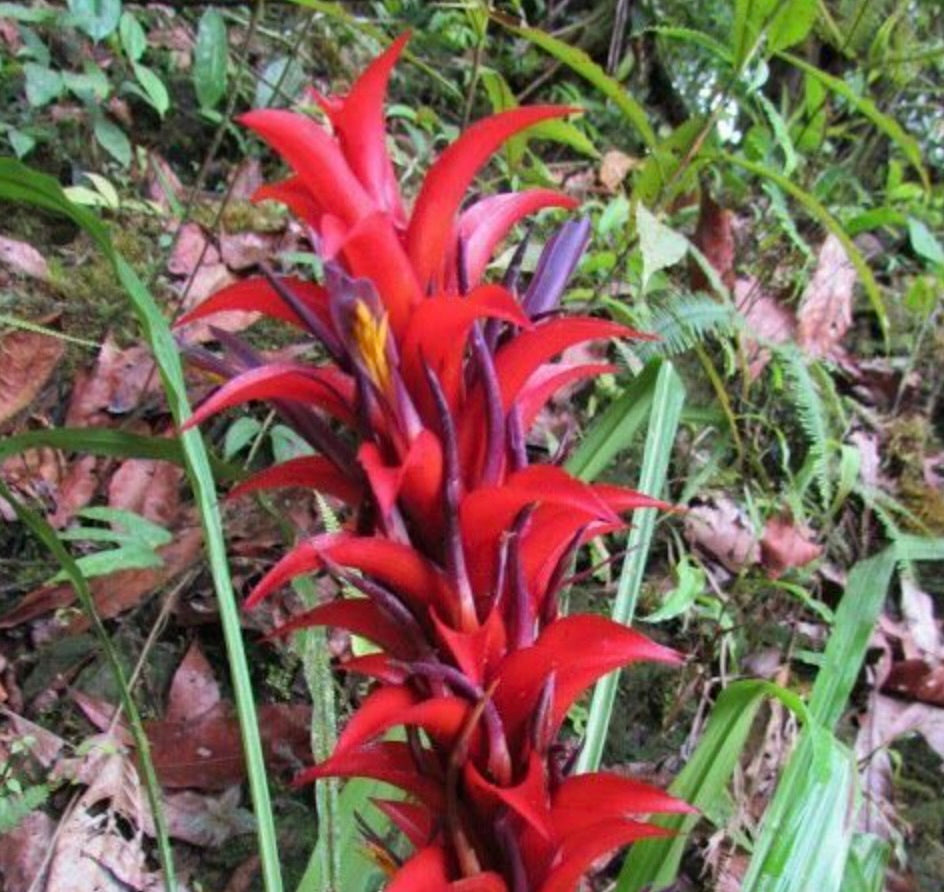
(114, 560)
(807, 829)
(239, 435)
(280, 82)
(126, 526)
(748, 21)
(43, 85)
(22, 143)
(97, 18)
(209, 58)
(112, 139)
(924, 242)
(866, 107)
(133, 38)
(287, 444)
(667, 400)
(662, 176)
(923, 294)
(661, 246)
(154, 89)
(21, 12)
(690, 583)
(90, 85)
(791, 24)
(699, 38)
(580, 63)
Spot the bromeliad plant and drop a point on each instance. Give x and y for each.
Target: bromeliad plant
(458, 544)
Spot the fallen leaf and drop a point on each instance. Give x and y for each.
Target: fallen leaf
(785, 545)
(243, 250)
(916, 680)
(714, 237)
(825, 311)
(614, 167)
(147, 487)
(34, 474)
(23, 258)
(192, 249)
(895, 718)
(203, 819)
(23, 851)
(246, 180)
(767, 321)
(923, 627)
(27, 360)
(76, 489)
(193, 691)
(242, 878)
(44, 746)
(116, 385)
(878, 814)
(207, 754)
(722, 529)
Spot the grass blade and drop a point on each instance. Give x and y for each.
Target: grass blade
(668, 397)
(19, 183)
(703, 781)
(580, 63)
(614, 430)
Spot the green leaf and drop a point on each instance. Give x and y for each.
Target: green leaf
(133, 38)
(867, 864)
(209, 59)
(35, 15)
(791, 24)
(703, 782)
(16, 807)
(97, 18)
(154, 89)
(691, 582)
(90, 85)
(239, 435)
(661, 246)
(614, 430)
(868, 109)
(112, 139)
(22, 143)
(284, 73)
(667, 403)
(43, 85)
(807, 828)
(924, 242)
(104, 563)
(580, 63)
(126, 526)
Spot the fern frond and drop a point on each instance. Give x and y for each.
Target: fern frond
(812, 414)
(684, 321)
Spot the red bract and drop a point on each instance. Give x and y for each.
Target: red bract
(458, 544)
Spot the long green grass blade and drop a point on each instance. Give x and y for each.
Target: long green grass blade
(614, 430)
(581, 64)
(47, 535)
(819, 212)
(867, 863)
(703, 782)
(19, 183)
(867, 108)
(807, 828)
(668, 397)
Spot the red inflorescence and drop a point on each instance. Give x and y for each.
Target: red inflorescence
(457, 542)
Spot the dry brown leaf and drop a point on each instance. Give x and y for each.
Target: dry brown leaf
(120, 380)
(894, 718)
(614, 167)
(148, 487)
(723, 530)
(243, 250)
(191, 249)
(246, 180)
(23, 851)
(923, 627)
(916, 680)
(714, 237)
(825, 311)
(23, 258)
(244, 875)
(194, 690)
(27, 360)
(44, 745)
(203, 819)
(785, 545)
(766, 320)
(34, 474)
(76, 489)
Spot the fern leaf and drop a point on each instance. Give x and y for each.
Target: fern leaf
(685, 321)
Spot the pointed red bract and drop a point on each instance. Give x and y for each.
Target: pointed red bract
(456, 547)
(433, 221)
